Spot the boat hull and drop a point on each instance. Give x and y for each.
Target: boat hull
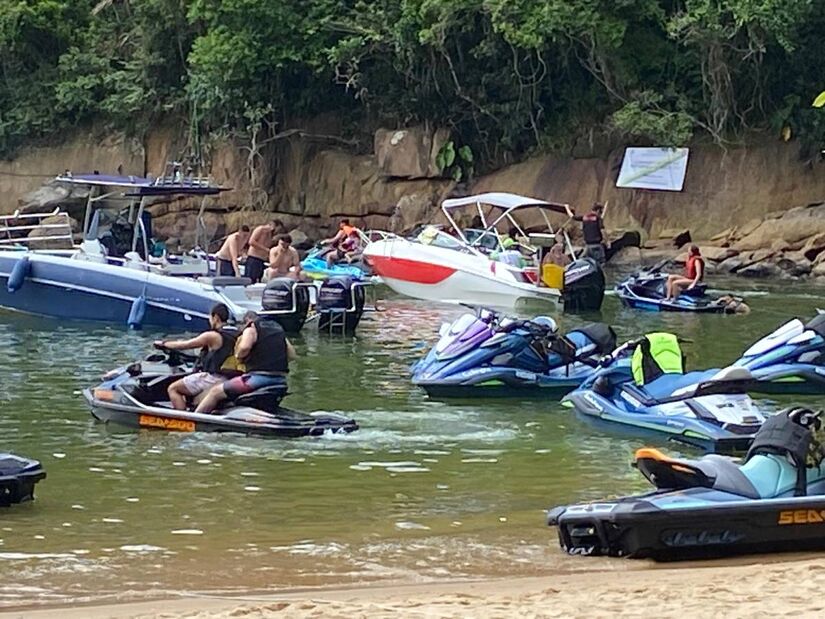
(60, 287)
(449, 276)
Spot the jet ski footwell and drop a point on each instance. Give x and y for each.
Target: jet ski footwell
(689, 525)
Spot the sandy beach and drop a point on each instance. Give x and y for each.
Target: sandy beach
(759, 587)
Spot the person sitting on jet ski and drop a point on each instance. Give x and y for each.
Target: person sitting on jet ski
(694, 273)
(265, 352)
(216, 346)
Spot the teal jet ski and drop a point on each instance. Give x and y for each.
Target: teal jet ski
(772, 501)
(653, 396)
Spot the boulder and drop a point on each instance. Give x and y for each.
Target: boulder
(411, 211)
(68, 226)
(814, 246)
(760, 269)
(300, 240)
(411, 152)
(795, 268)
(731, 265)
(53, 195)
(717, 254)
(792, 227)
(818, 270)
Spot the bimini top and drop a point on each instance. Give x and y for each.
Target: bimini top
(140, 186)
(502, 200)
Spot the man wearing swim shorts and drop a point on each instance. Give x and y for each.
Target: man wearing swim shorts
(265, 351)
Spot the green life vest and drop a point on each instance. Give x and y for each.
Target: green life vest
(656, 354)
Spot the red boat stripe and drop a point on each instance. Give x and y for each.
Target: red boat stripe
(410, 270)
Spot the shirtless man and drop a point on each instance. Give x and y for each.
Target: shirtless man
(284, 260)
(260, 243)
(230, 251)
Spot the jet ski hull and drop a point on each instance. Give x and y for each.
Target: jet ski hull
(18, 477)
(285, 423)
(690, 524)
(500, 387)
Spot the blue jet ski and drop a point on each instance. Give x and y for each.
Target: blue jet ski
(315, 266)
(646, 290)
(17, 479)
(485, 354)
(652, 395)
(773, 501)
(791, 360)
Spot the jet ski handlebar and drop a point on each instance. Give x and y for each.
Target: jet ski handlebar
(175, 357)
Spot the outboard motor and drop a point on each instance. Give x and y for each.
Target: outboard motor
(286, 301)
(583, 286)
(340, 304)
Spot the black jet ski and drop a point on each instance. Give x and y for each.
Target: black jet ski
(646, 290)
(773, 501)
(135, 395)
(17, 478)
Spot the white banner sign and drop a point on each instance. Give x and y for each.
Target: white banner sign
(653, 168)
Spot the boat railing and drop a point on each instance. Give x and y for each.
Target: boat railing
(16, 228)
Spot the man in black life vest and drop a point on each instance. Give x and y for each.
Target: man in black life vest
(592, 228)
(265, 352)
(216, 347)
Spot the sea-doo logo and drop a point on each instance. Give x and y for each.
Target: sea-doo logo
(179, 425)
(802, 516)
(591, 399)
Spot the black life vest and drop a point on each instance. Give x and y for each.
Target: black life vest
(213, 361)
(780, 435)
(592, 229)
(268, 355)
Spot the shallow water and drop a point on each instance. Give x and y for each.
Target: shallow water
(424, 490)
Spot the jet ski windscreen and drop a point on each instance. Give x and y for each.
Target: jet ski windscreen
(817, 324)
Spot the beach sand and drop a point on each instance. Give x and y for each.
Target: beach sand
(761, 587)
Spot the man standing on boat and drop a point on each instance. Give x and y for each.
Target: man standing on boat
(260, 242)
(231, 250)
(592, 230)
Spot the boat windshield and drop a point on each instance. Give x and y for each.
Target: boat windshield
(483, 239)
(438, 238)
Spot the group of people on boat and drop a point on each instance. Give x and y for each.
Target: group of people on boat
(268, 253)
(232, 362)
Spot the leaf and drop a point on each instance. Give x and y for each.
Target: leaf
(466, 154)
(449, 154)
(440, 161)
(457, 174)
(820, 100)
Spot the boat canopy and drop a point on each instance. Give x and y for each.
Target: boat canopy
(502, 200)
(138, 186)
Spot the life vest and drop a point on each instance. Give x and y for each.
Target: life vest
(691, 269)
(656, 354)
(347, 229)
(221, 360)
(268, 355)
(592, 229)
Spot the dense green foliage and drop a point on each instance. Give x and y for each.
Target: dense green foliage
(508, 76)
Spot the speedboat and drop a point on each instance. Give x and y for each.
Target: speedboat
(136, 395)
(487, 354)
(478, 269)
(646, 290)
(773, 501)
(17, 478)
(110, 277)
(652, 395)
(790, 360)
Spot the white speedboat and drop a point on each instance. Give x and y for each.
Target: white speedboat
(473, 267)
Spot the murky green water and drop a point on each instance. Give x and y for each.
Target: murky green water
(424, 490)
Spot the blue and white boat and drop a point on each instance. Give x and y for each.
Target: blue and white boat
(99, 281)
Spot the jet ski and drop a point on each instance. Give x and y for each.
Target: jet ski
(773, 501)
(486, 354)
(315, 266)
(710, 409)
(17, 479)
(135, 395)
(791, 360)
(646, 290)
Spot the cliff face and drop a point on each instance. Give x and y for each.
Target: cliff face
(310, 180)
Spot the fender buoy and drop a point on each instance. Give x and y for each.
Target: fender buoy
(19, 274)
(136, 313)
